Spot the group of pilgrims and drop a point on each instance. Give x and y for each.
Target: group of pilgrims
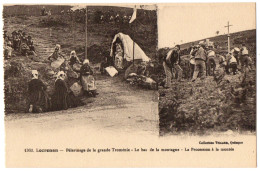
(63, 96)
(203, 62)
(72, 71)
(18, 41)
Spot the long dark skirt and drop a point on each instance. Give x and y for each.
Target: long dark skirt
(60, 96)
(40, 102)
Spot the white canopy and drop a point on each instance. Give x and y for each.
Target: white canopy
(128, 48)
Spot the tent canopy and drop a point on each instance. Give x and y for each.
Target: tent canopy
(128, 48)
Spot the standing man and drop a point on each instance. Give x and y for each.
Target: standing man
(244, 59)
(232, 63)
(172, 60)
(193, 52)
(43, 11)
(200, 59)
(211, 64)
(236, 52)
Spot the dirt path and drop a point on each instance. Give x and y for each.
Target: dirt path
(118, 107)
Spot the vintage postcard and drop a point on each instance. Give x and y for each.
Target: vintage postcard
(130, 85)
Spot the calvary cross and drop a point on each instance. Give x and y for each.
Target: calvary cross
(228, 25)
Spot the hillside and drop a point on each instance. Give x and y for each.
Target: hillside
(236, 39)
(101, 33)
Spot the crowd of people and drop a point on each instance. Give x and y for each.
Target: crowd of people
(203, 62)
(64, 96)
(78, 15)
(20, 42)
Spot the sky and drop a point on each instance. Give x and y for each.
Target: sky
(181, 23)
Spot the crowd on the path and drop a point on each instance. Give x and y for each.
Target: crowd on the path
(203, 62)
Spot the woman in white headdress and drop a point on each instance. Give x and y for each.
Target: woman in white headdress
(60, 96)
(74, 61)
(56, 54)
(37, 97)
(63, 98)
(87, 79)
(73, 58)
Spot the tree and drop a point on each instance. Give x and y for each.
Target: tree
(217, 32)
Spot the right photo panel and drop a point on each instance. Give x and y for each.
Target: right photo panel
(208, 53)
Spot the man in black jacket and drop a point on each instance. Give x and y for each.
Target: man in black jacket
(171, 61)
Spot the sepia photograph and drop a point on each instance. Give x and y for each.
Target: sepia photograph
(208, 53)
(129, 85)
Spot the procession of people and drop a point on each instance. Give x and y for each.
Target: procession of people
(203, 62)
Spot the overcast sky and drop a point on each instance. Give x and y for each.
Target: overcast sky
(190, 22)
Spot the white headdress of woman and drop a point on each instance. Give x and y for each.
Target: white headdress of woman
(86, 61)
(35, 74)
(61, 75)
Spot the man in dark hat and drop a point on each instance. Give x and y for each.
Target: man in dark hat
(172, 61)
(200, 62)
(43, 11)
